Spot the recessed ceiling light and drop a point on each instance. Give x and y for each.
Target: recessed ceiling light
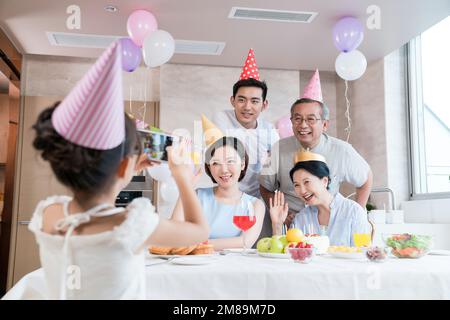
(110, 8)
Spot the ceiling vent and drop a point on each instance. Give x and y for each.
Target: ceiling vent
(271, 15)
(80, 40)
(199, 47)
(101, 41)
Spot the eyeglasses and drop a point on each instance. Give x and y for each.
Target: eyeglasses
(311, 120)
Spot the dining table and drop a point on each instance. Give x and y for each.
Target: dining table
(237, 276)
(251, 276)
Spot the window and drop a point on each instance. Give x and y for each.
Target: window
(429, 93)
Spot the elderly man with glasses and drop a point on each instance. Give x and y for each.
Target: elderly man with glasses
(310, 116)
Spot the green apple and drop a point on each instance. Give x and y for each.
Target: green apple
(283, 240)
(276, 246)
(263, 245)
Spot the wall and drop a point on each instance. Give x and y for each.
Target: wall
(56, 76)
(4, 125)
(379, 119)
(396, 119)
(367, 136)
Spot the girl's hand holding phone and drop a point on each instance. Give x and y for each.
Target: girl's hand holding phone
(144, 162)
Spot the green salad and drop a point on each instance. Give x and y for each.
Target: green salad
(403, 241)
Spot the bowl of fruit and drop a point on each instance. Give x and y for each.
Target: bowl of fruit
(407, 245)
(301, 252)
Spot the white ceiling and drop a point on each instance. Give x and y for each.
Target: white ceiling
(277, 45)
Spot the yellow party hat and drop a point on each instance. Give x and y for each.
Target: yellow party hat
(306, 155)
(196, 157)
(210, 131)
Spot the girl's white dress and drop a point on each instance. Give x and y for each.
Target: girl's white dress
(107, 265)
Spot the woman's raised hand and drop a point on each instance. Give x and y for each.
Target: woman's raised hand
(278, 208)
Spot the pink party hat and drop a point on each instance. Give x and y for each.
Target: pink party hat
(250, 69)
(92, 114)
(313, 90)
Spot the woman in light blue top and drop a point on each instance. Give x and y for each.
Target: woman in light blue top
(226, 163)
(335, 216)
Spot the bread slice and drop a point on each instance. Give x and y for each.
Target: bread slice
(203, 249)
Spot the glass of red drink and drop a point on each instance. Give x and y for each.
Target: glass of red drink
(244, 219)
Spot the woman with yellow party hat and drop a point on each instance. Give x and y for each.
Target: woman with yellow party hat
(226, 163)
(325, 214)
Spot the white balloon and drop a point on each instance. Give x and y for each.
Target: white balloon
(169, 191)
(158, 48)
(350, 65)
(160, 172)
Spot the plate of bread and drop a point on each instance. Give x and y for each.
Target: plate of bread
(203, 249)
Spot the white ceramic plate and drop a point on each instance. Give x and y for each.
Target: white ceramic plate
(163, 256)
(275, 255)
(169, 256)
(239, 250)
(193, 260)
(348, 255)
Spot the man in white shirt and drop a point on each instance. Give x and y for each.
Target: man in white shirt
(310, 116)
(244, 122)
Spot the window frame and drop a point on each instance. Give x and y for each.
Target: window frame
(416, 126)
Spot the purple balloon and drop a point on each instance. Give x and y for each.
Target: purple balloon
(131, 55)
(348, 34)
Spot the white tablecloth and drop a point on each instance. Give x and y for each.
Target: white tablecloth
(252, 277)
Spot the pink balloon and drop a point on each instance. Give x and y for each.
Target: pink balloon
(284, 126)
(140, 24)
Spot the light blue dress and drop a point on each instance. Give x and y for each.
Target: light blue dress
(346, 218)
(220, 215)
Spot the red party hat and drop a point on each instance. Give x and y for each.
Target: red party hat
(250, 69)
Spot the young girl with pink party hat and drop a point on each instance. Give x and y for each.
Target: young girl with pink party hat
(89, 249)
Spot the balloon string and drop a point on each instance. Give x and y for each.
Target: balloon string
(142, 109)
(348, 129)
(131, 98)
(147, 72)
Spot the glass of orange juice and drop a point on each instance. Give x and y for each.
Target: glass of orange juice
(361, 239)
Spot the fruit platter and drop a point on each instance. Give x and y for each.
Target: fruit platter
(278, 246)
(409, 245)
